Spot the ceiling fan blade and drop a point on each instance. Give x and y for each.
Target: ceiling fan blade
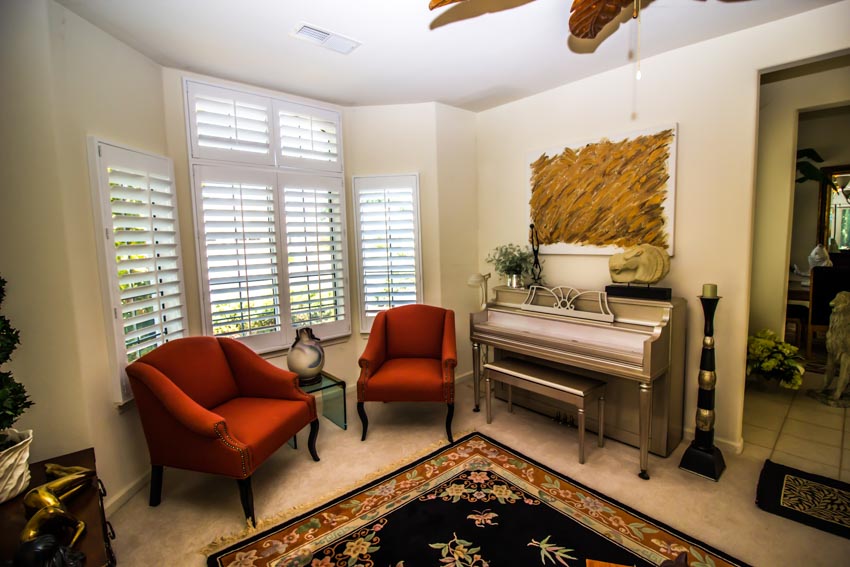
(438, 3)
(590, 16)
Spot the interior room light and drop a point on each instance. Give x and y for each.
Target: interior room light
(480, 281)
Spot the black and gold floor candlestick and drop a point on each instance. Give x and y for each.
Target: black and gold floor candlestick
(702, 457)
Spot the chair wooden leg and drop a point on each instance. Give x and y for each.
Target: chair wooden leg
(246, 495)
(449, 417)
(156, 485)
(363, 420)
(311, 441)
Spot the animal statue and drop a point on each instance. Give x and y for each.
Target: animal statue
(642, 264)
(838, 345)
(44, 505)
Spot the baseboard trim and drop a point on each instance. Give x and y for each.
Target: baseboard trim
(111, 504)
(735, 447)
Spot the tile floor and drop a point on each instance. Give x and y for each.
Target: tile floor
(793, 429)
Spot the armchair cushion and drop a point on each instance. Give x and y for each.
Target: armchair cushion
(415, 331)
(263, 424)
(407, 379)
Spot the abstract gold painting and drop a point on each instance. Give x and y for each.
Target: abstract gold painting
(604, 196)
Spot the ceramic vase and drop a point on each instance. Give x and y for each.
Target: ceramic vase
(14, 464)
(306, 357)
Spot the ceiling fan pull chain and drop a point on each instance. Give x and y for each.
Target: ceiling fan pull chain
(636, 14)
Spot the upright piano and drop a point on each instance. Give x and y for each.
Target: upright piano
(637, 346)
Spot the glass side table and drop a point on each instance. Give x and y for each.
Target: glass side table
(333, 398)
(332, 390)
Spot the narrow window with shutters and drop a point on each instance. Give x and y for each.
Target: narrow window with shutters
(315, 243)
(142, 267)
(238, 214)
(389, 264)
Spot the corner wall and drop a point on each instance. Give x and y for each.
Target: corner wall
(67, 80)
(711, 90)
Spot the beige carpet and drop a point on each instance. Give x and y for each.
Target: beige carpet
(197, 509)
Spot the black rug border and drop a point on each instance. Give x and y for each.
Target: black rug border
(212, 558)
(774, 506)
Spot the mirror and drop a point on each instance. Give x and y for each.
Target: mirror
(834, 209)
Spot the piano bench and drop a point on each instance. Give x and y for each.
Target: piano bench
(563, 386)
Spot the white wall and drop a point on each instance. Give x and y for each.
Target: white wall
(34, 256)
(830, 137)
(780, 104)
(711, 90)
(68, 80)
(438, 143)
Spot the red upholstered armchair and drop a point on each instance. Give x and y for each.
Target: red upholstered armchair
(213, 405)
(410, 356)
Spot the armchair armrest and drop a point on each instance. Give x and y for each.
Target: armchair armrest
(449, 350)
(184, 409)
(376, 347)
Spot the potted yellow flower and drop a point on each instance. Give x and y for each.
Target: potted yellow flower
(773, 359)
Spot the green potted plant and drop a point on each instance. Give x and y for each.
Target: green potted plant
(14, 444)
(773, 359)
(512, 261)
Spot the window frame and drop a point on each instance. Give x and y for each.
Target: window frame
(109, 279)
(382, 182)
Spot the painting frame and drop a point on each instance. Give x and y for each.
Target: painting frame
(667, 203)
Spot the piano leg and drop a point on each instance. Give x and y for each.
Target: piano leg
(645, 422)
(488, 398)
(476, 374)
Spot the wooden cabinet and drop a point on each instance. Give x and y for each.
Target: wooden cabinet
(86, 506)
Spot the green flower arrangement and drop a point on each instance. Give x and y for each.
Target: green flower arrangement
(774, 359)
(511, 259)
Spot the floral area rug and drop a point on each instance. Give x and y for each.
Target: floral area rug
(474, 503)
(808, 498)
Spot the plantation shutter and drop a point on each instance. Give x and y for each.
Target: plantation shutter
(308, 137)
(238, 212)
(314, 211)
(230, 125)
(139, 218)
(388, 243)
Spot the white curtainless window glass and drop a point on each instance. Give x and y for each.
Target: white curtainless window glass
(270, 215)
(389, 262)
(142, 271)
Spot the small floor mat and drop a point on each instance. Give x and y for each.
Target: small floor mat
(811, 499)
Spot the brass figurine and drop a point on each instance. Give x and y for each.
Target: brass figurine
(45, 505)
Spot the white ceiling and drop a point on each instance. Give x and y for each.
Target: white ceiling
(474, 55)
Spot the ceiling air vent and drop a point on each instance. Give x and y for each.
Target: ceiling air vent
(326, 39)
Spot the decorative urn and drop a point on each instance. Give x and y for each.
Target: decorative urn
(306, 357)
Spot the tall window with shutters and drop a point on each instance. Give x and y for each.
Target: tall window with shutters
(270, 213)
(315, 242)
(389, 260)
(141, 267)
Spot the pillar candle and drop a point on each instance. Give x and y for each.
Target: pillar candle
(709, 290)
